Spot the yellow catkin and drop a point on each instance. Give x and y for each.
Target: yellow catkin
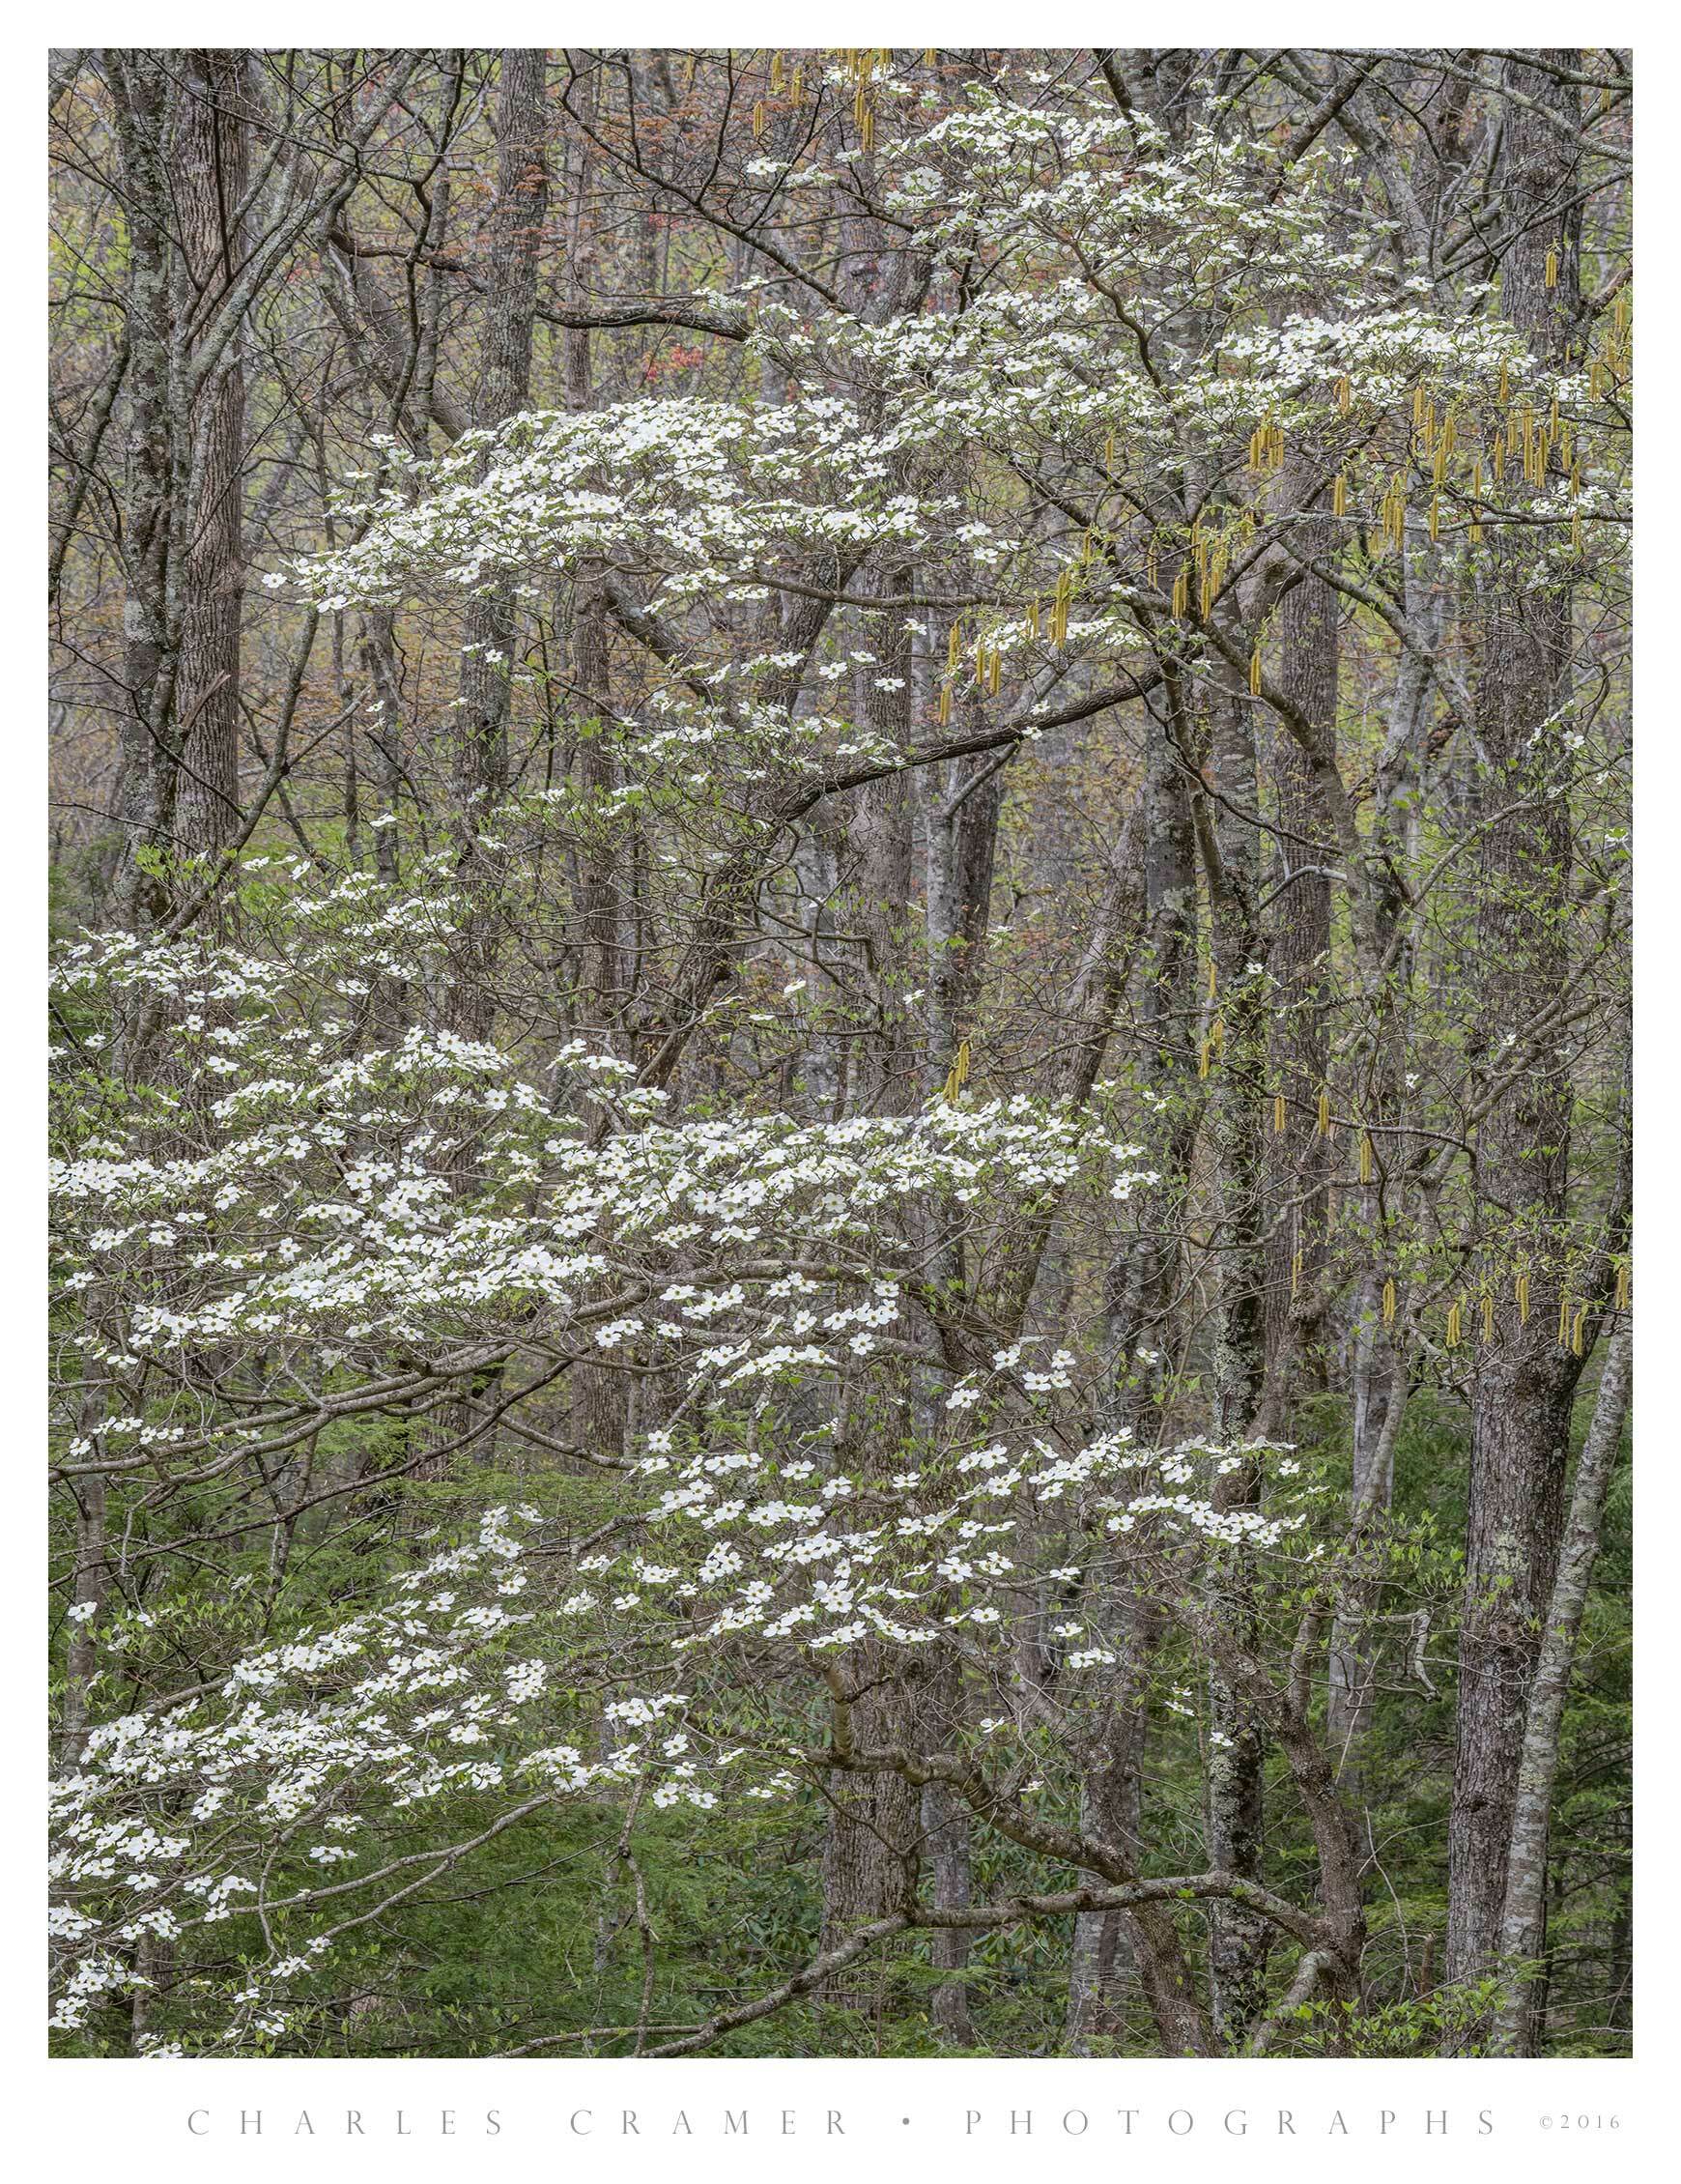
(1339, 494)
(797, 88)
(1563, 1321)
(1203, 1059)
(1296, 1273)
(1032, 619)
(1345, 394)
(1487, 1317)
(1365, 1156)
(775, 73)
(944, 705)
(1278, 1114)
(1255, 671)
(1435, 517)
(962, 1064)
(1419, 409)
(1622, 1289)
(1109, 453)
(1150, 560)
(954, 645)
(1213, 981)
(1453, 1327)
(1523, 1300)
(1576, 1325)
(930, 57)
(1552, 268)
(995, 673)
(1390, 1302)
(1505, 379)
(1217, 1035)
(1325, 1113)
(759, 118)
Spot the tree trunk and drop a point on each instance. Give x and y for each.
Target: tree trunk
(210, 172)
(1525, 1379)
(490, 627)
(1299, 960)
(1523, 1921)
(1239, 1939)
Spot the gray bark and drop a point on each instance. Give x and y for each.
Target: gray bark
(210, 170)
(1525, 1382)
(1518, 2027)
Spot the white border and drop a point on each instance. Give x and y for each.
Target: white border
(105, 2120)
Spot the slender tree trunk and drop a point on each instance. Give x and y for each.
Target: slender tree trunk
(874, 1829)
(1239, 1939)
(1525, 1379)
(210, 172)
(1298, 960)
(1109, 1950)
(1523, 1921)
(139, 88)
(491, 629)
